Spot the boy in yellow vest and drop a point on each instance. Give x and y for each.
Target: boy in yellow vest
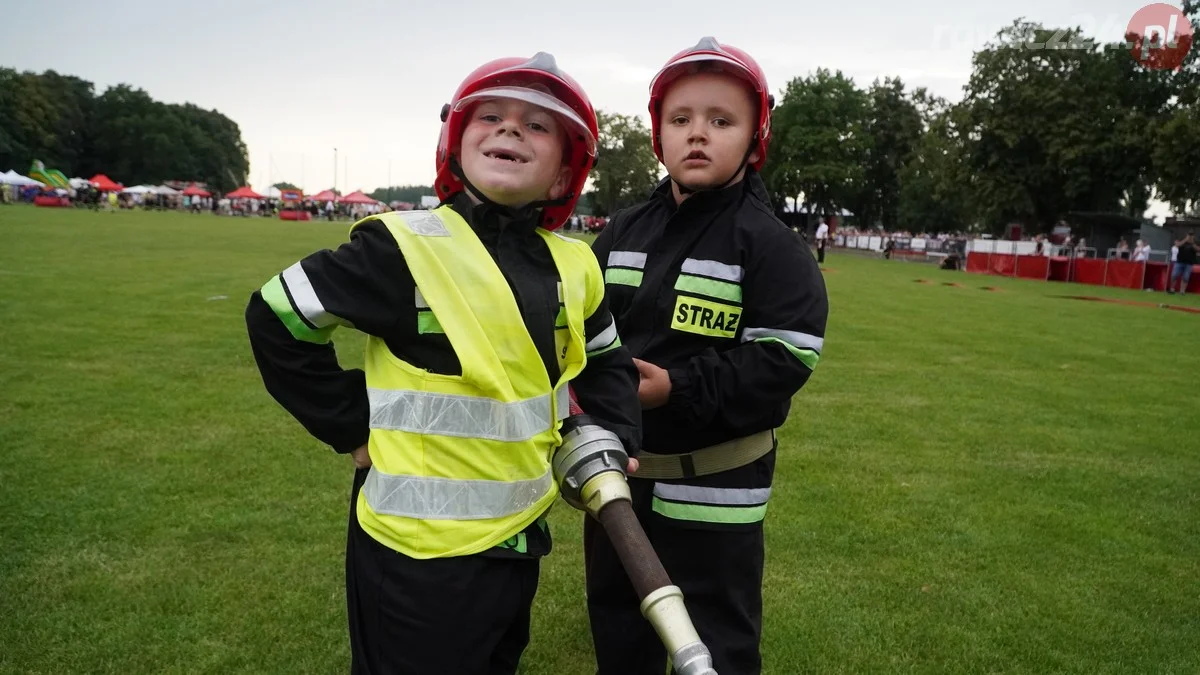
(478, 316)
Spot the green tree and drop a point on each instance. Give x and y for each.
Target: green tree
(122, 132)
(285, 186)
(1189, 75)
(1176, 141)
(935, 183)
(626, 170)
(1055, 124)
(892, 130)
(819, 144)
(1177, 159)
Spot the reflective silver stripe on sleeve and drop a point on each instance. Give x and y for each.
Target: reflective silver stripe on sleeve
(605, 338)
(713, 269)
(425, 223)
(712, 495)
(425, 412)
(793, 338)
(420, 300)
(433, 498)
(305, 298)
(627, 259)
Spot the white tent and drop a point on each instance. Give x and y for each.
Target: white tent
(790, 207)
(14, 178)
(165, 190)
(139, 190)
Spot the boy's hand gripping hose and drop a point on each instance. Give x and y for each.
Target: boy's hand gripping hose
(590, 467)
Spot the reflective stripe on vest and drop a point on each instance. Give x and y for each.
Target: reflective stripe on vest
(424, 412)
(431, 498)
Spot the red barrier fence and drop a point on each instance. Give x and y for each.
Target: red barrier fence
(1088, 271)
(977, 262)
(1033, 267)
(1060, 269)
(1124, 274)
(1157, 274)
(1114, 273)
(1002, 264)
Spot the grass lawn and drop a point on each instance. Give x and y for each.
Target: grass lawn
(973, 482)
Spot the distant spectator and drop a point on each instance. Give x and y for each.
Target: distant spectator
(1182, 269)
(1123, 250)
(822, 240)
(1141, 252)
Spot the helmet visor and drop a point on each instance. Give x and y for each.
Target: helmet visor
(575, 126)
(684, 64)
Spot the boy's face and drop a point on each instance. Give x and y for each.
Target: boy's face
(512, 152)
(708, 120)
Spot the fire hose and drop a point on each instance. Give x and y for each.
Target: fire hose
(590, 468)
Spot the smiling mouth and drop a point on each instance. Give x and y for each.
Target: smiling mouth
(506, 156)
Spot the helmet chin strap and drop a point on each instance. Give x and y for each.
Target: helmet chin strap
(512, 212)
(687, 189)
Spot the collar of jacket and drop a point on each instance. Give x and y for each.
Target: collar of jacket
(751, 184)
(486, 219)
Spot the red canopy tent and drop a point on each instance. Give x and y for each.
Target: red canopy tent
(244, 192)
(324, 196)
(358, 197)
(105, 184)
(194, 190)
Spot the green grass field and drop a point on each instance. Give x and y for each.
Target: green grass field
(973, 481)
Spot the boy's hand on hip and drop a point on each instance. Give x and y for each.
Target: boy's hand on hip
(654, 385)
(362, 459)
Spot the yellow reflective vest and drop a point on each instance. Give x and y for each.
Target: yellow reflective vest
(462, 463)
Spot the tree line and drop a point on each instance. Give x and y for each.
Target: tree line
(60, 120)
(1049, 124)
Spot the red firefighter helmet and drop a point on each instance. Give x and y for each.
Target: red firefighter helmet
(538, 81)
(729, 59)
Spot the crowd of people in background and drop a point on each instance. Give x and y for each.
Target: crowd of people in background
(948, 247)
(589, 224)
(267, 207)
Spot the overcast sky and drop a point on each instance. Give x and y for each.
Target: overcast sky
(369, 78)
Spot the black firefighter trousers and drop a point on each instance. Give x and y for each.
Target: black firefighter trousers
(457, 616)
(718, 568)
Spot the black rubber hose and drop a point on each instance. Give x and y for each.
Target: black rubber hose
(641, 563)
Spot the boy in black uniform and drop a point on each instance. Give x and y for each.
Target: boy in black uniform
(724, 311)
(446, 443)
